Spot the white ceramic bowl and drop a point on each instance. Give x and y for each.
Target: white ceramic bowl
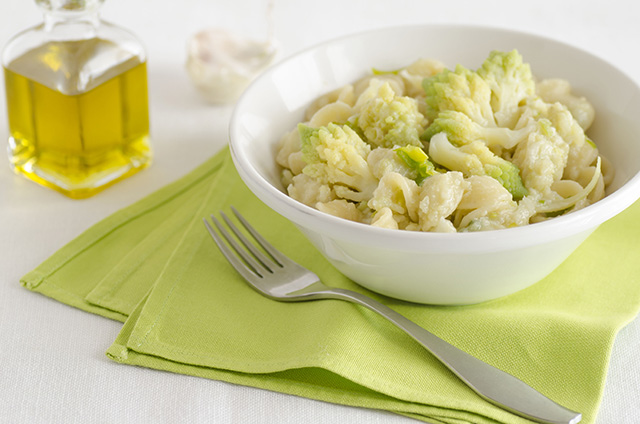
(459, 268)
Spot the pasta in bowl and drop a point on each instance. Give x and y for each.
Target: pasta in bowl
(424, 148)
(492, 234)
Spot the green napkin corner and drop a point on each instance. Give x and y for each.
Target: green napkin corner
(153, 266)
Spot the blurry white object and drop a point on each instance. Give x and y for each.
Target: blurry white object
(221, 65)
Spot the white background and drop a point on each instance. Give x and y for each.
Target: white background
(52, 362)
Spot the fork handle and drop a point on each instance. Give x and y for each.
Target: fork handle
(492, 384)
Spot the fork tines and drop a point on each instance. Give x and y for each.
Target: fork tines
(253, 260)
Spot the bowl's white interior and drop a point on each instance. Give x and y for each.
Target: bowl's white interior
(276, 101)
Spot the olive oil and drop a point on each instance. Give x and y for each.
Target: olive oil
(72, 130)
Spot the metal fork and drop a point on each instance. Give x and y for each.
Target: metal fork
(278, 277)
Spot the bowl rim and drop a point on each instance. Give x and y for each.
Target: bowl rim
(583, 220)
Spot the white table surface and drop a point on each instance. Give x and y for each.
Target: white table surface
(52, 362)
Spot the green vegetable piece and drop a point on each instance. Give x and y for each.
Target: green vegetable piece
(546, 127)
(490, 96)
(461, 90)
(511, 83)
(389, 120)
(309, 152)
(416, 159)
(507, 174)
(337, 156)
(376, 71)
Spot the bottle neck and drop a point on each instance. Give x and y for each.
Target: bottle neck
(63, 26)
(52, 18)
(68, 16)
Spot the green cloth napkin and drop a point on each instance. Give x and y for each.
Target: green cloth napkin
(154, 266)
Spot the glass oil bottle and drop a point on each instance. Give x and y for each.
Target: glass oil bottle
(77, 100)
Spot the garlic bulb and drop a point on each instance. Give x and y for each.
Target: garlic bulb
(221, 65)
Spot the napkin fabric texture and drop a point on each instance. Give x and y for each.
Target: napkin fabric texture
(154, 266)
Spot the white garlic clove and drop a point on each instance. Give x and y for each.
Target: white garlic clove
(221, 65)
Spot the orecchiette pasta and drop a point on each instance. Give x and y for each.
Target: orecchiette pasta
(384, 219)
(343, 94)
(439, 198)
(341, 208)
(397, 193)
(366, 151)
(559, 90)
(365, 90)
(413, 75)
(338, 111)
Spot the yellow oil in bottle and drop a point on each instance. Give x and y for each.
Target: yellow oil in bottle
(76, 137)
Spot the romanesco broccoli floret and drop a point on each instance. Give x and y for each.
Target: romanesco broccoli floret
(490, 96)
(475, 158)
(511, 83)
(461, 90)
(417, 161)
(388, 120)
(336, 156)
(460, 129)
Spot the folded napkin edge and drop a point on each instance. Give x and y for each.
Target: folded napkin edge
(118, 353)
(282, 382)
(32, 280)
(87, 238)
